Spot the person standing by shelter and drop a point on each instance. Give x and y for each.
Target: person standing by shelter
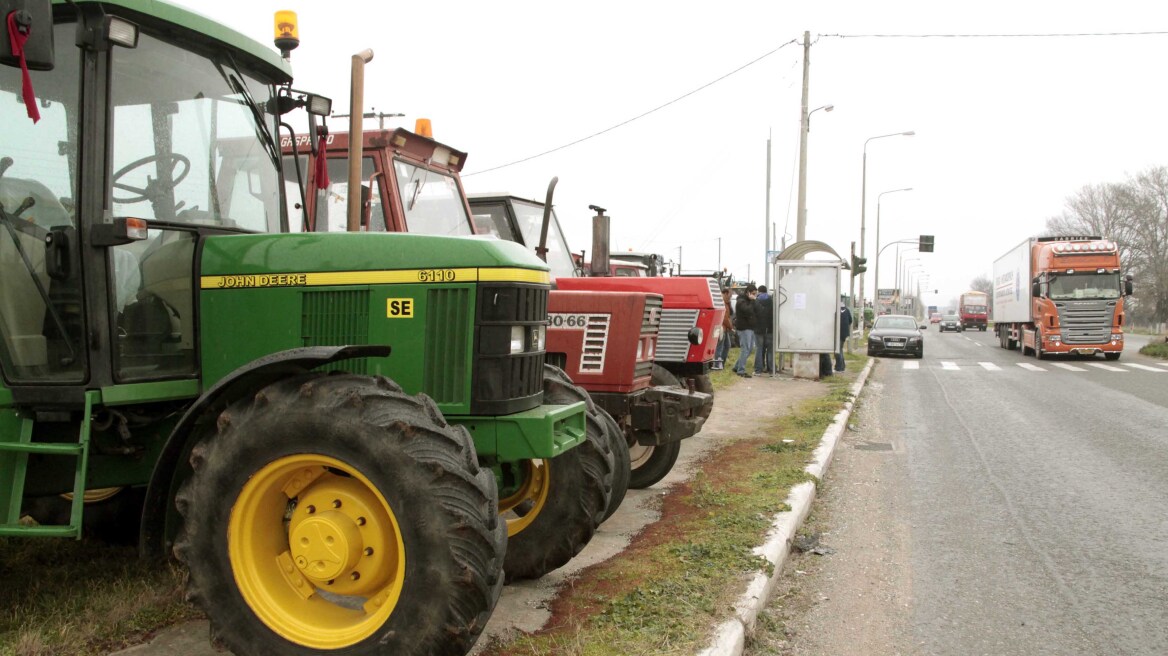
(845, 330)
(763, 329)
(746, 313)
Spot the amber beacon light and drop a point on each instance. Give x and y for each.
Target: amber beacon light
(287, 32)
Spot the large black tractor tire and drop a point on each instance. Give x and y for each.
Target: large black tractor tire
(621, 463)
(562, 500)
(339, 515)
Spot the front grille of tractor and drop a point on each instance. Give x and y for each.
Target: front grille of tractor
(447, 323)
(673, 340)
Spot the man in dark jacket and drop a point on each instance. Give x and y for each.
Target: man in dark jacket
(764, 358)
(745, 318)
(845, 331)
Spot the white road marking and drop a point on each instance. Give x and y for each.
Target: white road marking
(990, 366)
(912, 365)
(1143, 367)
(1107, 367)
(1068, 367)
(952, 366)
(1030, 367)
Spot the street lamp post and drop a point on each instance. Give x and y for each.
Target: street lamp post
(864, 200)
(903, 278)
(877, 263)
(804, 128)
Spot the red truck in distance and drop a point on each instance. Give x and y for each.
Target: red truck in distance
(973, 310)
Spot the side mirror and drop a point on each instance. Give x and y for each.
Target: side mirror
(1036, 289)
(34, 18)
(1127, 285)
(924, 326)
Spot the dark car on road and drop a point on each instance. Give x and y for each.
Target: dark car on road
(896, 334)
(951, 322)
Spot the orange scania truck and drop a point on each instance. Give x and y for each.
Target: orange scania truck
(1061, 295)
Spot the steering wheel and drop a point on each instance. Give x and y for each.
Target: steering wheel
(152, 187)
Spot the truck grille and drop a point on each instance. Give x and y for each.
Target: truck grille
(1085, 322)
(673, 340)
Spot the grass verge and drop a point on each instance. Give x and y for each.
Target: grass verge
(681, 576)
(1156, 349)
(83, 598)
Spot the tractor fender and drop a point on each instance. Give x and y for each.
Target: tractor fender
(159, 519)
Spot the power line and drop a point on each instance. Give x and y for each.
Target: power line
(639, 116)
(987, 36)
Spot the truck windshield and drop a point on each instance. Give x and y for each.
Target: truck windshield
(530, 219)
(975, 309)
(1084, 285)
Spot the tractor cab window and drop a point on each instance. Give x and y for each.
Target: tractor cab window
(491, 219)
(194, 148)
(530, 220)
(332, 202)
(41, 321)
(432, 201)
(188, 152)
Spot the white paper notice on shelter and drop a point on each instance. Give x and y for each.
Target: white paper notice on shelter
(800, 301)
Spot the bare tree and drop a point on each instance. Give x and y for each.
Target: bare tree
(983, 283)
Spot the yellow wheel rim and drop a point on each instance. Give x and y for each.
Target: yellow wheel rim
(522, 507)
(95, 495)
(316, 551)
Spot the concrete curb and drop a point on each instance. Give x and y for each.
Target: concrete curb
(730, 637)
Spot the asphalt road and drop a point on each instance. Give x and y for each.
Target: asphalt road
(1038, 494)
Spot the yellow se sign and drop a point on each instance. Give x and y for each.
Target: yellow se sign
(399, 308)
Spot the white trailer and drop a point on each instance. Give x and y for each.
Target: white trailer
(1012, 275)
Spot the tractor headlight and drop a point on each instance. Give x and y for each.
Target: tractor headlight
(696, 336)
(718, 333)
(518, 339)
(640, 349)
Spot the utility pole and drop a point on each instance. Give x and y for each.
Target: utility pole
(767, 243)
(801, 226)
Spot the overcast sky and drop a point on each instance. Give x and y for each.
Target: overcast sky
(1006, 128)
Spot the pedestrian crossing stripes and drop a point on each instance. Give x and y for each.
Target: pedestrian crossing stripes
(1105, 367)
(1143, 367)
(1127, 367)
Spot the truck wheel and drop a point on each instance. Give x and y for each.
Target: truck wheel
(1038, 354)
(553, 506)
(337, 514)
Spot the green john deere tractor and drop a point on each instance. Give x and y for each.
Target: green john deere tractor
(320, 426)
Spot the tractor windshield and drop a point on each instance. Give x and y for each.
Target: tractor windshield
(194, 147)
(530, 219)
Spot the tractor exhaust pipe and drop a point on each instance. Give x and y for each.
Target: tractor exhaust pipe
(542, 250)
(356, 137)
(600, 246)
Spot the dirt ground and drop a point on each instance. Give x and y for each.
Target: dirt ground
(855, 597)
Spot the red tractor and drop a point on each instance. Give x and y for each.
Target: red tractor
(605, 342)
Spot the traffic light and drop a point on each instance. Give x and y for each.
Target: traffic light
(859, 265)
(926, 244)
